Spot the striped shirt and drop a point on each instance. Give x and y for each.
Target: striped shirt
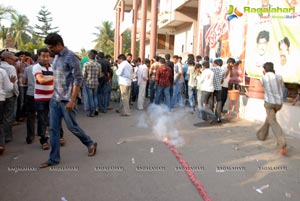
(273, 85)
(91, 72)
(67, 73)
(42, 92)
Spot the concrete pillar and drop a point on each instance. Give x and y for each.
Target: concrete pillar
(134, 24)
(116, 48)
(143, 30)
(121, 20)
(117, 30)
(153, 35)
(199, 50)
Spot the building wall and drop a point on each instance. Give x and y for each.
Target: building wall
(184, 39)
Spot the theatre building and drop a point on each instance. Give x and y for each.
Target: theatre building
(253, 32)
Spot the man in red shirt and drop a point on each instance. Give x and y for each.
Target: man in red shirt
(163, 82)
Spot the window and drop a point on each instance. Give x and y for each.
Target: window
(161, 41)
(171, 42)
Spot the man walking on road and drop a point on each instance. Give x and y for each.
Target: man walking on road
(67, 81)
(272, 84)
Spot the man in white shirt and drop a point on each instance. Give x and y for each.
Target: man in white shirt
(125, 74)
(8, 60)
(6, 84)
(272, 84)
(142, 81)
(178, 82)
(207, 82)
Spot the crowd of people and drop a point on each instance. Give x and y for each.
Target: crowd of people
(52, 82)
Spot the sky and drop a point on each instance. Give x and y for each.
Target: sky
(76, 20)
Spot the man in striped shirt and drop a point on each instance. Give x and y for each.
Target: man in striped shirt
(43, 90)
(273, 85)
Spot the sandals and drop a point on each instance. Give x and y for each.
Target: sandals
(283, 151)
(47, 164)
(93, 149)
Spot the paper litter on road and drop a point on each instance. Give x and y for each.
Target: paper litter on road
(132, 161)
(260, 190)
(289, 195)
(63, 199)
(121, 141)
(151, 150)
(17, 157)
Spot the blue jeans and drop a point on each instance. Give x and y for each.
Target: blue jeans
(177, 94)
(57, 112)
(85, 96)
(166, 92)
(92, 99)
(152, 91)
(42, 109)
(103, 97)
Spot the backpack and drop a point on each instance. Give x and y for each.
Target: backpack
(164, 77)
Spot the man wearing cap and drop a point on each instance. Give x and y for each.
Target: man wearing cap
(8, 59)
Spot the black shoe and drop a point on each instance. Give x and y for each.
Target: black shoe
(90, 115)
(96, 113)
(219, 120)
(29, 140)
(7, 140)
(2, 149)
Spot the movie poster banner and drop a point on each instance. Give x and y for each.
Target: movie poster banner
(254, 32)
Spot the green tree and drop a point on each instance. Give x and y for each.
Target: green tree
(127, 44)
(105, 38)
(21, 31)
(44, 16)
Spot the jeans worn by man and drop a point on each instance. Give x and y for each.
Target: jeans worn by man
(103, 96)
(92, 100)
(42, 108)
(58, 111)
(163, 91)
(177, 94)
(152, 91)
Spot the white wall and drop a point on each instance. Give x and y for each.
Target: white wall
(183, 39)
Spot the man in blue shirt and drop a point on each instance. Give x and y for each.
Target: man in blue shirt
(67, 81)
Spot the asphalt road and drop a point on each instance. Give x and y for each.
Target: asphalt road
(132, 164)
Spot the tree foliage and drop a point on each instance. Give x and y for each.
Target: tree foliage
(20, 29)
(105, 38)
(44, 17)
